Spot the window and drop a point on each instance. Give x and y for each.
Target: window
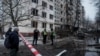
(44, 4)
(61, 26)
(61, 12)
(51, 26)
(61, 5)
(34, 24)
(71, 3)
(51, 16)
(35, 1)
(51, 7)
(44, 14)
(43, 25)
(34, 12)
(51, 0)
(61, 20)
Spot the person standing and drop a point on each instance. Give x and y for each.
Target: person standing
(35, 36)
(52, 36)
(8, 32)
(14, 42)
(44, 34)
(6, 37)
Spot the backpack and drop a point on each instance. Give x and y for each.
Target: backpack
(7, 42)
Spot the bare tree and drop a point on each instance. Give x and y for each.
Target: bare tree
(15, 11)
(98, 18)
(97, 4)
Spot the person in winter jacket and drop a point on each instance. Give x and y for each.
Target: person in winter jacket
(44, 34)
(8, 32)
(14, 42)
(52, 36)
(35, 36)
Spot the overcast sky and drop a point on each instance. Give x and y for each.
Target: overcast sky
(90, 9)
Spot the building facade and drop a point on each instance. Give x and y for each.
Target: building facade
(75, 14)
(43, 16)
(49, 14)
(60, 13)
(43, 11)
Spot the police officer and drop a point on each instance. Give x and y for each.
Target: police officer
(52, 36)
(44, 34)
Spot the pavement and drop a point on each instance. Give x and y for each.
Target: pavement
(91, 50)
(45, 50)
(91, 54)
(48, 50)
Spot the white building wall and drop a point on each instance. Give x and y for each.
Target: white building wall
(39, 19)
(58, 14)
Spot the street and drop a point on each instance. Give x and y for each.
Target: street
(45, 50)
(59, 27)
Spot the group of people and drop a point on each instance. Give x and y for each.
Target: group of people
(44, 34)
(12, 39)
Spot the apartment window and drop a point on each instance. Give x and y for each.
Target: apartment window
(44, 4)
(61, 5)
(43, 25)
(71, 3)
(44, 14)
(51, 7)
(35, 1)
(34, 12)
(51, 26)
(34, 24)
(61, 26)
(51, 0)
(61, 20)
(61, 12)
(51, 16)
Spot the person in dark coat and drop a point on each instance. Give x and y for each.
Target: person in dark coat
(14, 42)
(8, 32)
(44, 34)
(35, 36)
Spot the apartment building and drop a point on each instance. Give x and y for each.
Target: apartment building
(60, 14)
(48, 14)
(74, 13)
(43, 11)
(43, 16)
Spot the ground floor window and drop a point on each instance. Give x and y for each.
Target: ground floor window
(34, 24)
(51, 26)
(43, 25)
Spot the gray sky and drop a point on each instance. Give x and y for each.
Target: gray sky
(90, 9)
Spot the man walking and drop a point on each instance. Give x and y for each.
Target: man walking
(14, 42)
(44, 34)
(35, 36)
